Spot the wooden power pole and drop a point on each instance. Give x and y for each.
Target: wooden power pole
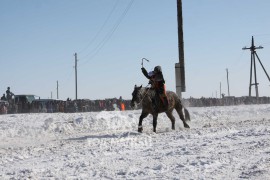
(57, 89)
(180, 67)
(76, 95)
(220, 90)
(228, 81)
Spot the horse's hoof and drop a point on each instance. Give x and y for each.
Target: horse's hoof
(186, 126)
(140, 130)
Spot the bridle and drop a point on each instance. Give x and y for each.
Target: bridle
(144, 95)
(141, 95)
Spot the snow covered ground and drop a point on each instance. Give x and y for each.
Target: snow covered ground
(222, 143)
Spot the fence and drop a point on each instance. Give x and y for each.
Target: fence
(226, 101)
(117, 104)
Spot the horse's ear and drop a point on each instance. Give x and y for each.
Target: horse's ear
(135, 86)
(140, 86)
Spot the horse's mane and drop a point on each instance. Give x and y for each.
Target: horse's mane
(147, 91)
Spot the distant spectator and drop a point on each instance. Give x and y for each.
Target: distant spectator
(3, 109)
(75, 107)
(4, 97)
(123, 108)
(49, 107)
(9, 94)
(122, 104)
(223, 95)
(62, 107)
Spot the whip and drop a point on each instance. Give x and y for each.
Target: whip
(143, 60)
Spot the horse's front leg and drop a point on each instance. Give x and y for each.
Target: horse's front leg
(155, 116)
(143, 115)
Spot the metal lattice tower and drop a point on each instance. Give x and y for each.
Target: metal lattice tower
(253, 66)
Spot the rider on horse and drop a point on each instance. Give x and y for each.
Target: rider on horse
(158, 84)
(9, 94)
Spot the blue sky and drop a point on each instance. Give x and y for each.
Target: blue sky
(39, 39)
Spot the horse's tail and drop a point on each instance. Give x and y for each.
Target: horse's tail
(179, 109)
(187, 115)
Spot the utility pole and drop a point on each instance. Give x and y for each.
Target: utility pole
(180, 67)
(76, 95)
(220, 90)
(51, 94)
(253, 65)
(57, 89)
(228, 82)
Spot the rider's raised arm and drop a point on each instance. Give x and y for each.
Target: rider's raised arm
(145, 73)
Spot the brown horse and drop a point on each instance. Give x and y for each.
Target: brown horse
(146, 96)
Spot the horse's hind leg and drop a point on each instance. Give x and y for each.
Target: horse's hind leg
(171, 117)
(143, 115)
(155, 116)
(180, 113)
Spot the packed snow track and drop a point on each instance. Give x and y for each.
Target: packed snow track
(223, 143)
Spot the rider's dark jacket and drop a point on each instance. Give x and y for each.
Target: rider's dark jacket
(156, 79)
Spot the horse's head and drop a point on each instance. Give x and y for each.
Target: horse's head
(136, 96)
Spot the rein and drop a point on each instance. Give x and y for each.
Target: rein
(145, 94)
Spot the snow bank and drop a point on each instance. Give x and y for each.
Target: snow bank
(43, 124)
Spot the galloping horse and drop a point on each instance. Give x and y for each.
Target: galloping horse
(146, 97)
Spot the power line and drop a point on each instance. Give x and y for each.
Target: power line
(267, 43)
(261, 35)
(67, 77)
(100, 30)
(109, 34)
